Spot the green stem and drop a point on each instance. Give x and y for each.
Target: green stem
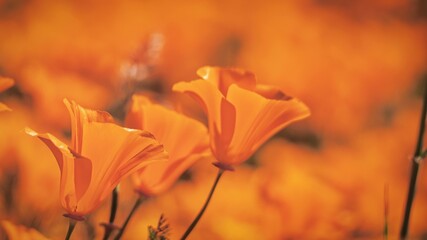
(418, 155)
(135, 207)
(71, 226)
(114, 204)
(196, 220)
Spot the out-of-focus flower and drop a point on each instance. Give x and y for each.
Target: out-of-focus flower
(101, 155)
(17, 232)
(5, 83)
(185, 139)
(242, 114)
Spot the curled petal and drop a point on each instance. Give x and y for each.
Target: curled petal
(80, 116)
(220, 112)
(224, 77)
(258, 119)
(167, 126)
(159, 177)
(270, 92)
(184, 138)
(116, 153)
(66, 161)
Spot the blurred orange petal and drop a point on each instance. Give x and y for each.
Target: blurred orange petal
(3, 107)
(185, 139)
(5, 83)
(18, 232)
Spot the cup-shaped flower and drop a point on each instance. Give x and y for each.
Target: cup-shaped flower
(185, 140)
(5, 83)
(100, 156)
(242, 114)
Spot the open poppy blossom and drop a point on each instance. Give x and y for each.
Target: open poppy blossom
(185, 139)
(5, 83)
(100, 156)
(242, 114)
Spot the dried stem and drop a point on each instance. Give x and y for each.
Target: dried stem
(418, 155)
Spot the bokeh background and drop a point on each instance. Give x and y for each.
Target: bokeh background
(356, 64)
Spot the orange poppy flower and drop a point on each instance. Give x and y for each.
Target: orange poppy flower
(17, 232)
(5, 83)
(242, 114)
(101, 155)
(185, 139)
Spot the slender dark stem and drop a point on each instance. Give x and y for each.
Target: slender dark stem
(418, 155)
(386, 209)
(196, 220)
(114, 203)
(70, 229)
(135, 207)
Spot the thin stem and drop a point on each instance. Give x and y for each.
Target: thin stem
(418, 154)
(196, 220)
(114, 203)
(386, 210)
(135, 207)
(71, 226)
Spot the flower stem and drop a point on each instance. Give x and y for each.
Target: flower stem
(135, 207)
(71, 226)
(386, 210)
(114, 202)
(196, 220)
(418, 155)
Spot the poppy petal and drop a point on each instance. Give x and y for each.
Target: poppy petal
(116, 152)
(167, 126)
(66, 161)
(259, 118)
(159, 177)
(184, 138)
(271, 92)
(221, 114)
(224, 77)
(80, 116)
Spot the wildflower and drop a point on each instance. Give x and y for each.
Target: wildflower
(242, 114)
(184, 138)
(100, 156)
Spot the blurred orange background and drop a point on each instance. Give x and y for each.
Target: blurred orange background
(356, 64)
